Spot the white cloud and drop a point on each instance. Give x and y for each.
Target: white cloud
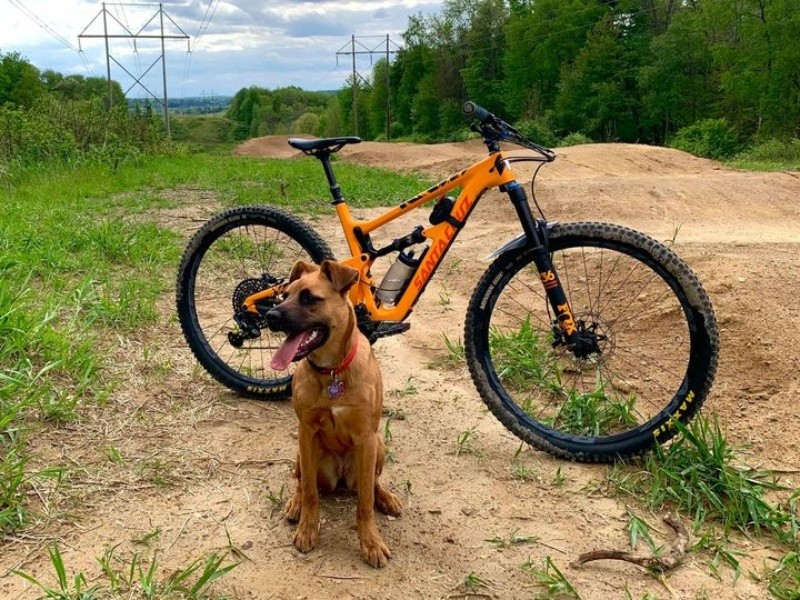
(247, 42)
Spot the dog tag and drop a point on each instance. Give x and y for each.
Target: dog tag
(336, 388)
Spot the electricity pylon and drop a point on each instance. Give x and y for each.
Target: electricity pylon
(128, 34)
(371, 51)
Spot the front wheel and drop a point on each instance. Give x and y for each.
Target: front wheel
(234, 255)
(656, 338)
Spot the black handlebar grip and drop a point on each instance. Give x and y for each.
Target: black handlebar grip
(479, 112)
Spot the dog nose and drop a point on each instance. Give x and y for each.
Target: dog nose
(274, 319)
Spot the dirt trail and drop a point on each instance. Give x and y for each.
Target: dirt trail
(223, 457)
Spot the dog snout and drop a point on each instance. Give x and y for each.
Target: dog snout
(275, 319)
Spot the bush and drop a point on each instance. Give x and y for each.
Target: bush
(575, 139)
(538, 131)
(782, 151)
(306, 123)
(68, 131)
(711, 138)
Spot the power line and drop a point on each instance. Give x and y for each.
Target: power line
(206, 22)
(202, 29)
(53, 33)
(42, 24)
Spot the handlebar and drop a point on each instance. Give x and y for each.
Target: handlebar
(495, 130)
(483, 115)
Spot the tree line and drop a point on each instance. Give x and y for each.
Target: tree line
(614, 70)
(648, 71)
(256, 111)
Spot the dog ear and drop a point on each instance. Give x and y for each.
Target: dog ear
(301, 268)
(341, 276)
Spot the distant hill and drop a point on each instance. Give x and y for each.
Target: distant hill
(192, 104)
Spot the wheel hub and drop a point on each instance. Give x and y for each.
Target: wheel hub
(591, 337)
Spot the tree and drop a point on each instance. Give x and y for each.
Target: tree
(755, 48)
(679, 84)
(19, 81)
(626, 70)
(598, 92)
(306, 123)
(378, 102)
(483, 68)
(543, 38)
(413, 63)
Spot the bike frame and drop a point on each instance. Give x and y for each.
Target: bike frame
(493, 171)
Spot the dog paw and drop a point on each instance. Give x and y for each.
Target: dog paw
(388, 503)
(374, 551)
(306, 539)
(291, 510)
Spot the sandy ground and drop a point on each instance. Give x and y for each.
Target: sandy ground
(200, 465)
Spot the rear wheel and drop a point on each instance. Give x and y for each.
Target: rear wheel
(238, 253)
(651, 323)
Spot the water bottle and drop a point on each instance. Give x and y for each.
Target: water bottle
(396, 278)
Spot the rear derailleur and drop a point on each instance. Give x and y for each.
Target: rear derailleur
(251, 324)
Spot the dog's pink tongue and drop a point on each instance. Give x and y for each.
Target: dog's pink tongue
(288, 350)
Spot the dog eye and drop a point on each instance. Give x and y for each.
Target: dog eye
(308, 299)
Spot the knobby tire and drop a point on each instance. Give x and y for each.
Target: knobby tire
(240, 245)
(655, 324)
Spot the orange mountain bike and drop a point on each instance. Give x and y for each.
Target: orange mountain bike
(586, 340)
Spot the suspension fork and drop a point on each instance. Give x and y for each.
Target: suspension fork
(536, 234)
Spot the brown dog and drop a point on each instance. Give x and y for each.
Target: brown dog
(337, 393)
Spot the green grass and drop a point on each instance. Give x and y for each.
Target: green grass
(133, 577)
(554, 584)
(638, 529)
(700, 474)
(772, 155)
(82, 263)
(474, 583)
(784, 579)
(297, 183)
(525, 361)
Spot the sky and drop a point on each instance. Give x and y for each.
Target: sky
(234, 43)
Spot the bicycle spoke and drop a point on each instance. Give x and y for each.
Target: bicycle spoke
(623, 306)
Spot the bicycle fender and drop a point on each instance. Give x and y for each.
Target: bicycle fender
(517, 242)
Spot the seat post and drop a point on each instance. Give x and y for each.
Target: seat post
(336, 192)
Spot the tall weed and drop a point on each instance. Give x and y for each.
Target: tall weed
(700, 473)
(58, 131)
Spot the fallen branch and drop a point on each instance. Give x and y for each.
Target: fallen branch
(654, 563)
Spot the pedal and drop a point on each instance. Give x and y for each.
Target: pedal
(387, 328)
